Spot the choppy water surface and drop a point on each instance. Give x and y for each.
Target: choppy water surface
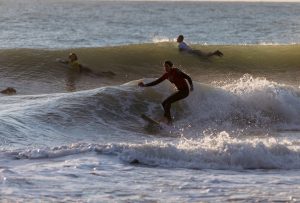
(63, 24)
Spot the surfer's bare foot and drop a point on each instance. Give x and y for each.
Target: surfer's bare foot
(218, 53)
(169, 122)
(166, 120)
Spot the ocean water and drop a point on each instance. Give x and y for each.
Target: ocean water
(235, 138)
(90, 23)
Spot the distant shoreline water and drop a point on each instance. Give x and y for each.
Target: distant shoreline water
(64, 24)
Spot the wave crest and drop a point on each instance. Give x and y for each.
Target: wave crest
(210, 152)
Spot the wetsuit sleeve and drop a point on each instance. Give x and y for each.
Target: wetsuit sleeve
(157, 81)
(187, 77)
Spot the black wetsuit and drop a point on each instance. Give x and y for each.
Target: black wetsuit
(177, 77)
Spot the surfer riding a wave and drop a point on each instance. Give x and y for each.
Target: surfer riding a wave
(178, 78)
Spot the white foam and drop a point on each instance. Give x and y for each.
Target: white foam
(66, 150)
(219, 152)
(158, 39)
(247, 102)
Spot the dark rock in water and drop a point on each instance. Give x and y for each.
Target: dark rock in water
(9, 91)
(135, 161)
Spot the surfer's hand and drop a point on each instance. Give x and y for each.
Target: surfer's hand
(141, 84)
(59, 60)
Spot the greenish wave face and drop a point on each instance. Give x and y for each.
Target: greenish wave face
(276, 62)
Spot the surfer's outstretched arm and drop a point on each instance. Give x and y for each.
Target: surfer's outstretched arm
(155, 82)
(62, 61)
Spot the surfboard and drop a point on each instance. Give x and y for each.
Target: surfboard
(156, 127)
(150, 120)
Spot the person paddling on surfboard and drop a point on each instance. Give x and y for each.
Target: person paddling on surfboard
(178, 78)
(76, 69)
(184, 48)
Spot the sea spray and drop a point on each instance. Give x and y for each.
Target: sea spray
(217, 152)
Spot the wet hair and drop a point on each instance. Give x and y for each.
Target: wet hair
(73, 54)
(169, 63)
(181, 37)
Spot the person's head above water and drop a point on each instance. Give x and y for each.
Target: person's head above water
(73, 57)
(168, 65)
(180, 38)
